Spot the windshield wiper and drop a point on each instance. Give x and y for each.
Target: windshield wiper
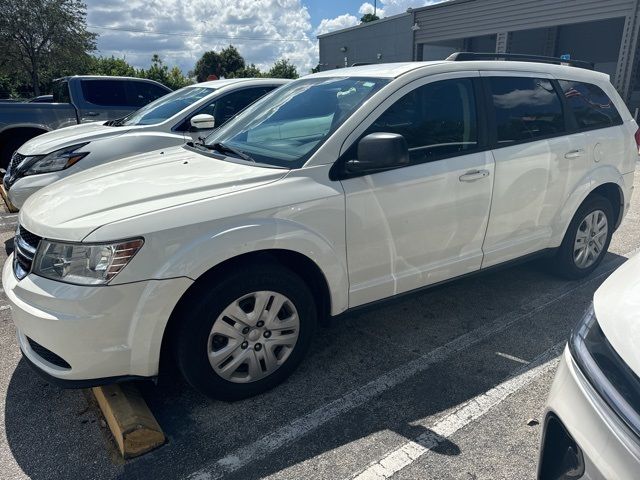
(222, 147)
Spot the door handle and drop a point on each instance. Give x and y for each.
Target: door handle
(92, 114)
(574, 153)
(473, 175)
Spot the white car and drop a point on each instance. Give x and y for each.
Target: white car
(337, 190)
(168, 121)
(592, 426)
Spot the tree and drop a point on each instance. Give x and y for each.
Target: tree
(41, 39)
(112, 66)
(160, 72)
(223, 64)
(283, 69)
(249, 71)
(369, 17)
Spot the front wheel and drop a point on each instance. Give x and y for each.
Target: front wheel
(247, 333)
(587, 239)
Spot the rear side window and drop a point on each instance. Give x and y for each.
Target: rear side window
(438, 119)
(106, 93)
(525, 109)
(590, 105)
(61, 92)
(142, 93)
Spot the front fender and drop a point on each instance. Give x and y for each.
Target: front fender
(206, 248)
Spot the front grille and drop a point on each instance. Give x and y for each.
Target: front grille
(47, 354)
(11, 175)
(16, 158)
(25, 246)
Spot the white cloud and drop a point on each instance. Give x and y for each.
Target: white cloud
(337, 23)
(366, 7)
(387, 8)
(283, 27)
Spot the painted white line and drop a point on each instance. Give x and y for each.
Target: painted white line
(469, 411)
(9, 224)
(315, 419)
(4, 307)
(512, 358)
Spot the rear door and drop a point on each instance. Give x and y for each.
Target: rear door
(538, 162)
(424, 222)
(103, 99)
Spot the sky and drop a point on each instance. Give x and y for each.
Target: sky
(263, 30)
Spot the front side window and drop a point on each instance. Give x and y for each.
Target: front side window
(166, 107)
(590, 105)
(105, 93)
(232, 103)
(287, 126)
(525, 109)
(438, 119)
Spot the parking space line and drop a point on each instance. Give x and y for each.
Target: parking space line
(471, 410)
(315, 419)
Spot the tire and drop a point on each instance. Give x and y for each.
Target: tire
(567, 262)
(247, 362)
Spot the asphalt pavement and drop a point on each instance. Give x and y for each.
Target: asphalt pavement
(446, 384)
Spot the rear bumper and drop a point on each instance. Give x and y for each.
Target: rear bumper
(608, 449)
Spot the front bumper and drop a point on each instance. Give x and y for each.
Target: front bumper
(608, 448)
(99, 332)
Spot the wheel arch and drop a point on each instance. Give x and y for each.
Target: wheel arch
(295, 261)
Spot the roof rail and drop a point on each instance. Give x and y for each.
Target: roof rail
(523, 57)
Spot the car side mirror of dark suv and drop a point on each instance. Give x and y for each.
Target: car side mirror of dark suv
(378, 152)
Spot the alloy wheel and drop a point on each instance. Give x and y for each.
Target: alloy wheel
(591, 239)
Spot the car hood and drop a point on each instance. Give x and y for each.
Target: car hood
(72, 208)
(617, 307)
(65, 137)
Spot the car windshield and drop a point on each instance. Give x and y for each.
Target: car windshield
(165, 107)
(287, 126)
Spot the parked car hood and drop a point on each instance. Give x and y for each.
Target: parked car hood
(617, 307)
(73, 207)
(65, 137)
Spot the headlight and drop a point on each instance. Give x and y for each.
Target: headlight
(55, 161)
(83, 264)
(606, 371)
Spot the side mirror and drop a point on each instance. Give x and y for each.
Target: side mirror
(378, 152)
(203, 122)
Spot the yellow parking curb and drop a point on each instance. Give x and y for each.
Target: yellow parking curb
(10, 206)
(132, 424)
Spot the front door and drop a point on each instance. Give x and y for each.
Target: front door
(425, 222)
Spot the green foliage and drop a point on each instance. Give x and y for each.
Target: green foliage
(160, 72)
(226, 64)
(283, 68)
(249, 71)
(43, 39)
(112, 66)
(369, 17)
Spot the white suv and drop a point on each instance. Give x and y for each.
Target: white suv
(337, 190)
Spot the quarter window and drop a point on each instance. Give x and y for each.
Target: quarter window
(438, 119)
(525, 109)
(590, 105)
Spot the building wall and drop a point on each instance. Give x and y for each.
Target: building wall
(472, 18)
(392, 38)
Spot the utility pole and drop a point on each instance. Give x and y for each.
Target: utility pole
(375, 5)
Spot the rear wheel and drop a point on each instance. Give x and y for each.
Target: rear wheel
(587, 239)
(247, 333)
